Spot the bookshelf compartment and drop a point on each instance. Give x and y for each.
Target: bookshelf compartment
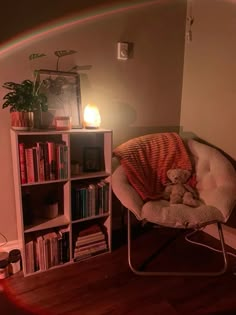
(46, 206)
(87, 151)
(43, 158)
(43, 203)
(46, 249)
(89, 198)
(90, 238)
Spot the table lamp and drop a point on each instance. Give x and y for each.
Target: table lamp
(92, 118)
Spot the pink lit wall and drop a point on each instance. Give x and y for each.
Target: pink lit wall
(137, 96)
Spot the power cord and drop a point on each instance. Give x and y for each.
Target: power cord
(204, 245)
(6, 240)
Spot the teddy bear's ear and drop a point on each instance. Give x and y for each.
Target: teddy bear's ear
(169, 173)
(186, 173)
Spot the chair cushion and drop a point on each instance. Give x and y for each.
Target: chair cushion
(216, 185)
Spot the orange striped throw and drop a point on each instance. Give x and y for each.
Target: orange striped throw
(147, 159)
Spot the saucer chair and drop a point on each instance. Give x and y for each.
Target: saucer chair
(215, 181)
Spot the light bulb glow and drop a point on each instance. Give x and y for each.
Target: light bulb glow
(92, 118)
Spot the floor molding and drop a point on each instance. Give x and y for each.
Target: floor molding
(9, 246)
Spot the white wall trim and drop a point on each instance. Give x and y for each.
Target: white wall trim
(229, 234)
(10, 245)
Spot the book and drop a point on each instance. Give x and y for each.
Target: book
(40, 253)
(46, 162)
(40, 152)
(51, 249)
(94, 228)
(29, 165)
(30, 257)
(90, 245)
(51, 159)
(35, 164)
(64, 246)
(91, 249)
(90, 238)
(23, 174)
(90, 253)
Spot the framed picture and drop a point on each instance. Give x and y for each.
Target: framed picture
(92, 159)
(64, 97)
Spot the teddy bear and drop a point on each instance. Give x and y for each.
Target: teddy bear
(178, 191)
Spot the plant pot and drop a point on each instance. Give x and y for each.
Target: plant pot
(42, 120)
(50, 211)
(22, 120)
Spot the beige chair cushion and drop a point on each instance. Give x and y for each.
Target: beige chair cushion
(216, 185)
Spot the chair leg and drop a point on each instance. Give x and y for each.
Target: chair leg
(180, 273)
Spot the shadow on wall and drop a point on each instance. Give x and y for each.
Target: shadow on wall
(191, 135)
(120, 116)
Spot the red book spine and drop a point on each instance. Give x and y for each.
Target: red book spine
(52, 160)
(29, 165)
(22, 163)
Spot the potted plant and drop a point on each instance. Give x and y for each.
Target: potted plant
(24, 100)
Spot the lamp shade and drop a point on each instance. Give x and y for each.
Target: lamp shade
(92, 118)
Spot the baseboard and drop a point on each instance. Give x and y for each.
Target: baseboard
(229, 234)
(10, 245)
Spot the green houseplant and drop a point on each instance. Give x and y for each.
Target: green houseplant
(25, 100)
(24, 96)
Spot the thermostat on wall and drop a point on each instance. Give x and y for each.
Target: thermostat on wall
(122, 50)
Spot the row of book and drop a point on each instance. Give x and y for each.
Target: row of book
(90, 242)
(89, 199)
(43, 161)
(48, 250)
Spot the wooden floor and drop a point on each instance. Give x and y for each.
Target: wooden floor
(105, 285)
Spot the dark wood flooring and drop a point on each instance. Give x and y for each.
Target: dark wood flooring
(105, 285)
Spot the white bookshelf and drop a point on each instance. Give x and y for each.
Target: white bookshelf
(74, 216)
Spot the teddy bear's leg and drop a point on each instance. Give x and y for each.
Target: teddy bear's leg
(175, 198)
(189, 200)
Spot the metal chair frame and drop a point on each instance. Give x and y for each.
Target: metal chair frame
(174, 273)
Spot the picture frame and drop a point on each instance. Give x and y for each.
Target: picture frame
(64, 97)
(92, 159)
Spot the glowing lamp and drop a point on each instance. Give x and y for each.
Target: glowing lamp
(92, 118)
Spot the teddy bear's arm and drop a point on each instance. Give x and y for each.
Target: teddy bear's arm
(190, 189)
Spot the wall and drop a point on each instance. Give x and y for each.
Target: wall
(209, 88)
(137, 96)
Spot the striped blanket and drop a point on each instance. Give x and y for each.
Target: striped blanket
(147, 159)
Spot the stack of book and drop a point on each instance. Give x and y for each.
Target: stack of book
(90, 242)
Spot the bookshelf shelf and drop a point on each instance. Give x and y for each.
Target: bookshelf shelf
(55, 208)
(44, 182)
(90, 175)
(44, 224)
(91, 218)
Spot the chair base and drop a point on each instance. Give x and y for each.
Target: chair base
(175, 273)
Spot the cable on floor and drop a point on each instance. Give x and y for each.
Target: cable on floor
(204, 245)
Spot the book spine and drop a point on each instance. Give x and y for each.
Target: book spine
(46, 162)
(52, 160)
(22, 163)
(40, 152)
(29, 165)
(36, 165)
(65, 159)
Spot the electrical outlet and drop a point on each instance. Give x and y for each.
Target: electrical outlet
(122, 51)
